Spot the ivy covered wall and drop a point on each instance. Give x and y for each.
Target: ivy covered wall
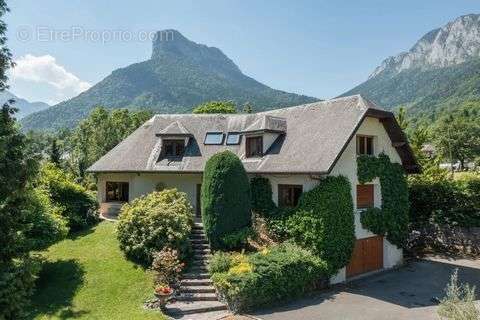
(391, 220)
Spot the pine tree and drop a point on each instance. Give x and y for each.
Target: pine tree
(55, 156)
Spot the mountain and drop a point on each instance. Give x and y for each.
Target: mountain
(179, 75)
(25, 107)
(439, 72)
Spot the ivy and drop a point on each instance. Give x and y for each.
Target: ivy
(391, 220)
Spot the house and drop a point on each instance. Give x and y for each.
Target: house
(292, 147)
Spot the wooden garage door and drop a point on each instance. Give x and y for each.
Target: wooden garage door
(367, 256)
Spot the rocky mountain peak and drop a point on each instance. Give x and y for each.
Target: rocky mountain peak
(454, 43)
(171, 43)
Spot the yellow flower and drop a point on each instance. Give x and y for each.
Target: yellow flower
(243, 267)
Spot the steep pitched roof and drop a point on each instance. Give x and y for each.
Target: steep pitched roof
(316, 137)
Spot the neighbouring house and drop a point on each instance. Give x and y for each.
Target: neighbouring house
(292, 147)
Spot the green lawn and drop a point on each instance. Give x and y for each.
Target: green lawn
(87, 277)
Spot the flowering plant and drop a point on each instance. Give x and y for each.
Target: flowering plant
(163, 290)
(167, 267)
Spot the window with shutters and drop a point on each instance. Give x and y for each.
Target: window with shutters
(365, 196)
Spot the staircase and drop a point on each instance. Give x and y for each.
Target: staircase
(197, 294)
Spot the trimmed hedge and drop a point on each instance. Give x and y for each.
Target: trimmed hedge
(276, 274)
(391, 220)
(226, 205)
(446, 202)
(262, 202)
(153, 222)
(324, 222)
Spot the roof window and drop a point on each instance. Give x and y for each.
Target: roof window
(215, 138)
(233, 138)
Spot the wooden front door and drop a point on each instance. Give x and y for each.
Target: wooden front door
(367, 256)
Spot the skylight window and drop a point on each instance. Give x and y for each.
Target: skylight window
(233, 138)
(214, 138)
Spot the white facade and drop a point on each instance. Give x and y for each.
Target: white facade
(144, 183)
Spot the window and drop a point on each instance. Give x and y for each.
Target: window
(365, 198)
(214, 138)
(174, 148)
(117, 191)
(364, 145)
(288, 195)
(254, 147)
(233, 138)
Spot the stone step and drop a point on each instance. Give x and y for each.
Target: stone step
(204, 258)
(200, 246)
(197, 237)
(198, 269)
(198, 225)
(199, 263)
(198, 289)
(196, 282)
(196, 275)
(202, 250)
(179, 308)
(196, 297)
(199, 241)
(198, 231)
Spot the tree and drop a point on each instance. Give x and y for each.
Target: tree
(17, 272)
(55, 156)
(99, 133)
(247, 108)
(226, 204)
(458, 138)
(402, 118)
(216, 107)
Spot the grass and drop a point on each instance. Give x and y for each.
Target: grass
(87, 277)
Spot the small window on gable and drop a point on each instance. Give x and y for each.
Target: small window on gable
(174, 148)
(254, 147)
(288, 195)
(365, 145)
(214, 138)
(233, 138)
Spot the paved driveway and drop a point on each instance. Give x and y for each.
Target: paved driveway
(406, 293)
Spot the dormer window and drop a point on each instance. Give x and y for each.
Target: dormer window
(254, 147)
(174, 148)
(233, 138)
(365, 145)
(213, 138)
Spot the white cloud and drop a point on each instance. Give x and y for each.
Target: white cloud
(46, 70)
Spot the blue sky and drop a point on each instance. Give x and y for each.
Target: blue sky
(318, 48)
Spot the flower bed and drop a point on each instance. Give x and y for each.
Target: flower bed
(264, 278)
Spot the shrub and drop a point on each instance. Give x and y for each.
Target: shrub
(154, 222)
(446, 202)
(262, 202)
(220, 262)
(459, 301)
(391, 220)
(226, 205)
(324, 222)
(279, 273)
(79, 206)
(237, 239)
(45, 224)
(167, 267)
(17, 280)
